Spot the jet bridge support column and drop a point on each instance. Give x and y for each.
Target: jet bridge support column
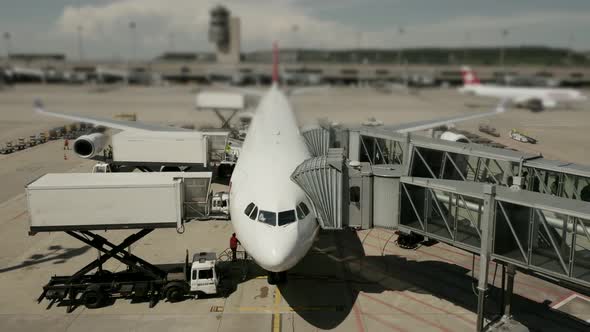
(486, 250)
(511, 272)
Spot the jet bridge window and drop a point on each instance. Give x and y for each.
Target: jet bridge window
(302, 211)
(286, 217)
(267, 217)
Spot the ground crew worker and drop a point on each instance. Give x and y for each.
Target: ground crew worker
(227, 151)
(233, 245)
(66, 144)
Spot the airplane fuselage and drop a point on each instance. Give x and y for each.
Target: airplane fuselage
(265, 205)
(548, 97)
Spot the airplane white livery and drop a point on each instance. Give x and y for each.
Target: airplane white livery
(535, 99)
(271, 215)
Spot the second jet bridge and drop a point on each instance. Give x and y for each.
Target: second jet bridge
(517, 209)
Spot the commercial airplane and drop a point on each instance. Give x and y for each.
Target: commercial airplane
(271, 215)
(535, 99)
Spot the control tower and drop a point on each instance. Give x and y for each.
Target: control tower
(224, 32)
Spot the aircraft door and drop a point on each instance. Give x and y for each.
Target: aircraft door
(360, 192)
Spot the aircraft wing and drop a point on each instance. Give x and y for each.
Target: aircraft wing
(109, 123)
(429, 124)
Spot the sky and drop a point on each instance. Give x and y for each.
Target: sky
(51, 26)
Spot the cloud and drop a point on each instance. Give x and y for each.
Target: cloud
(266, 20)
(262, 22)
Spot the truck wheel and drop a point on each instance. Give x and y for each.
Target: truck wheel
(93, 297)
(174, 294)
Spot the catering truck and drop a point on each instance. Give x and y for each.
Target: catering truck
(200, 277)
(84, 205)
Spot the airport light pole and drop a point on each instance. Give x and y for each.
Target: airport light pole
(401, 32)
(132, 28)
(172, 42)
(466, 46)
(80, 30)
(570, 50)
(502, 55)
(7, 37)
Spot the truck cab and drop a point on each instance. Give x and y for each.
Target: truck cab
(203, 278)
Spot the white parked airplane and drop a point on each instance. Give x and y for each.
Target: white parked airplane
(535, 99)
(271, 215)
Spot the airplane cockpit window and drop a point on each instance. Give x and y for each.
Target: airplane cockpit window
(286, 217)
(254, 213)
(267, 217)
(249, 209)
(302, 211)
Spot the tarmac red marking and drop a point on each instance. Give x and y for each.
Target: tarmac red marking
(418, 318)
(384, 322)
(358, 318)
(437, 308)
(518, 282)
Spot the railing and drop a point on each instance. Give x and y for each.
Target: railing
(545, 234)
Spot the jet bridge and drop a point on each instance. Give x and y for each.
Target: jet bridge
(518, 209)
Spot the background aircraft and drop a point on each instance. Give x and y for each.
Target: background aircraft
(535, 99)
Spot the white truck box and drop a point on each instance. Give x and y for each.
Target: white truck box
(182, 147)
(99, 201)
(219, 100)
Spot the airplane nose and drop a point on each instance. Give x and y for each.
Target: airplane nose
(273, 262)
(279, 255)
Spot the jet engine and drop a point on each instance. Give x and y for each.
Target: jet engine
(534, 105)
(88, 146)
(454, 137)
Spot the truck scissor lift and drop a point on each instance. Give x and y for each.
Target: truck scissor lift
(140, 281)
(75, 204)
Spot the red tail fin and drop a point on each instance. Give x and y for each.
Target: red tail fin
(275, 63)
(469, 77)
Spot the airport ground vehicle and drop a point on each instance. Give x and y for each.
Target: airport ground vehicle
(489, 130)
(21, 144)
(519, 136)
(141, 280)
(116, 201)
(8, 148)
(32, 141)
(219, 206)
(42, 138)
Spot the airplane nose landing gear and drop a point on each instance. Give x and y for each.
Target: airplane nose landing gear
(275, 278)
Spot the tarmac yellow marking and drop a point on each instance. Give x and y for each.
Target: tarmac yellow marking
(276, 316)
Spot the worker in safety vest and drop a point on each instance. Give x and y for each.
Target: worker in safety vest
(66, 144)
(233, 245)
(228, 151)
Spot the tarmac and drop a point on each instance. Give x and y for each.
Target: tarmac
(350, 280)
